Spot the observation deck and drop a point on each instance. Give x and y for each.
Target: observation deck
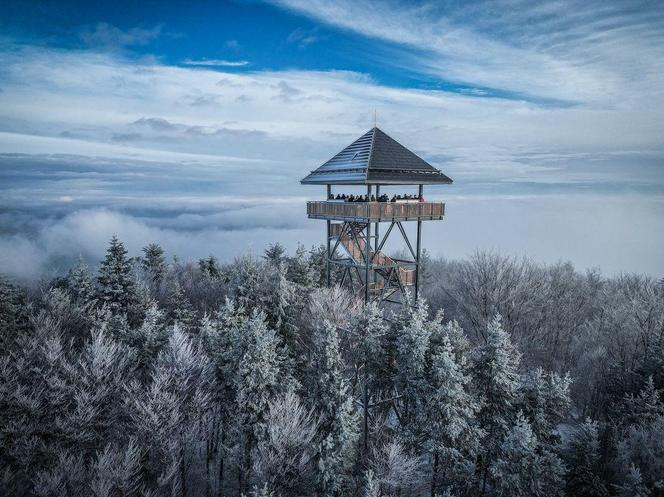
(376, 211)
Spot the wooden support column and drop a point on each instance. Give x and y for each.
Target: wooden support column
(327, 271)
(417, 250)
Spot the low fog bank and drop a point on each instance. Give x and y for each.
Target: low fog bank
(619, 234)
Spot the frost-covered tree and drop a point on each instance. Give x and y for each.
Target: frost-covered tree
(80, 283)
(583, 460)
(371, 485)
(546, 402)
(247, 282)
(338, 419)
(97, 392)
(13, 313)
(182, 312)
(367, 333)
(285, 458)
(525, 469)
(642, 445)
(633, 485)
(258, 380)
(154, 262)
(300, 270)
(209, 267)
(275, 253)
(452, 436)
(116, 285)
(149, 339)
(279, 302)
(644, 407)
(395, 471)
(412, 344)
(223, 339)
(496, 381)
(166, 413)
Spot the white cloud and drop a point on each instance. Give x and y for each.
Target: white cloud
(108, 36)
(216, 62)
(573, 50)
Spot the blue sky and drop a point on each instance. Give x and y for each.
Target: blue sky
(180, 121)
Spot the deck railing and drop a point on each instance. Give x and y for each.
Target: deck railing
(376, 210)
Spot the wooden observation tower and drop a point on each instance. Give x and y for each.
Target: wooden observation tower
(354, 242)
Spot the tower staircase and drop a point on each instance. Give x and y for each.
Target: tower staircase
(392, 276)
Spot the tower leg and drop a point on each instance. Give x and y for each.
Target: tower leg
(327, 243)
(417, 250)
(367, 251)
(376, 232)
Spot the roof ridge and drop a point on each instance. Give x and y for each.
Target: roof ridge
(371, 148)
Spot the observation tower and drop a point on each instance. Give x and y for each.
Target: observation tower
(354, 241)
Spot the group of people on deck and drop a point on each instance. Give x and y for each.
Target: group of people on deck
(381, 198)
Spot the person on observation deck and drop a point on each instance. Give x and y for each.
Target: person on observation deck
(421, 199)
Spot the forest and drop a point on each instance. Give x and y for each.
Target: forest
(149, 376)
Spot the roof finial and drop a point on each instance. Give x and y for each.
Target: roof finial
(374, 117)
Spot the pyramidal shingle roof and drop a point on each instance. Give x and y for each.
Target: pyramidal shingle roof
(376, 158)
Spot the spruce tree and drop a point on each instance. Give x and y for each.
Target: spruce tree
(80, 283)
(153, 262)
(368, 331)
(523, 468)
(452, 437)
(223, 336)
(412, 344)
(13, 315)
(209, 266)
(583, 460)
(182, 312)
(496, 380)
(338, 419)
(300, 270)
(274, 253)
(116, 286)
(258, 380)
(545, 401)
(633, 485)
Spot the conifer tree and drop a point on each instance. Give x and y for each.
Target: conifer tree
(523, 469)
(412, 344)
(153, 262)
(209, 266)
(13, 315)
(224, 340)
(181, 311)
(258, 380)
(546, 401)
(338, 419)
(496, 380)
(299, 269)
(452, 437)
(369, 330)
(80, 283)
(275, 253)
(633, 485)
(644, 407)
(116, 286)
(248, 282)
(583, 461)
